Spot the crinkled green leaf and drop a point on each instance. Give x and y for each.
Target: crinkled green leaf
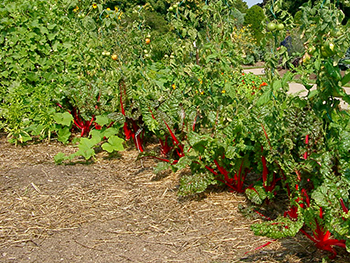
(257, 196)
(278, 228)
(183, 162)
(196, 183)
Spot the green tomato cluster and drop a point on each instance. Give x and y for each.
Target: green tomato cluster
(173, 7)
(273, 26)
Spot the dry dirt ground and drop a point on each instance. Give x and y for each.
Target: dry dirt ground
(117, 210)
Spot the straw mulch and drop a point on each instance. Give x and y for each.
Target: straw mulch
(117, 210)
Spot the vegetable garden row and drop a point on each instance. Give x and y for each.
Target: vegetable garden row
(80, 66)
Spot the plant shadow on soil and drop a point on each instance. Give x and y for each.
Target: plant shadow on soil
(116, 210)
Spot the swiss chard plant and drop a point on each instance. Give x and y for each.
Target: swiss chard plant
(313, 165)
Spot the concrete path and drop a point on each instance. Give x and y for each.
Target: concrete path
(296, 87)
(256, 71)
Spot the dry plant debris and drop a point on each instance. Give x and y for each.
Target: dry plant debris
(117, 210)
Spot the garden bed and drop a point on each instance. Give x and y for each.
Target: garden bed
(117, 210)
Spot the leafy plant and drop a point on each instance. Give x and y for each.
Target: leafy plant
(105, 138)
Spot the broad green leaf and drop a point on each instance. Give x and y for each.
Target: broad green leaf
(86, 153)
(67, 45)
(285, 80)
(312, 93)
(86, 148)
(85, 143)
(36, 129)
(277, 85)
(96, 136)
(43, 30)
(195, 138)
(183, 163)
(114, 144)
(265, 98)
(63, 118)
(110, 132)
(63, 134)
(102, 120)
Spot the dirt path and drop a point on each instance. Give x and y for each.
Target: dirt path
(117, 210)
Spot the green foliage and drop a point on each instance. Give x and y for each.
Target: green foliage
(159, 6)
(317, 183)
(197, 183)
(186, 88)
(241, 6)
(281, 227)
(51, 53)
(253, 18)
(293, 6)
(153, 20)
(297, 17)
(256, 195)
(114, 143)
(63, 118)
(238, 16)
(326, 38)
(87, 146)
(28, 39)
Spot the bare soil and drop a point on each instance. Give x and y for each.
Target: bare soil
(116, 209)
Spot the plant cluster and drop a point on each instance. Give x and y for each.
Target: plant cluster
(94, 70)
(253, 18)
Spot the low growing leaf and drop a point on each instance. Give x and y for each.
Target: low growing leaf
(256, 195)
(64, 118)
(59, 158)
(63, 134)
(114, 144)
(278, 228)
(194, 184)
(160, 167)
